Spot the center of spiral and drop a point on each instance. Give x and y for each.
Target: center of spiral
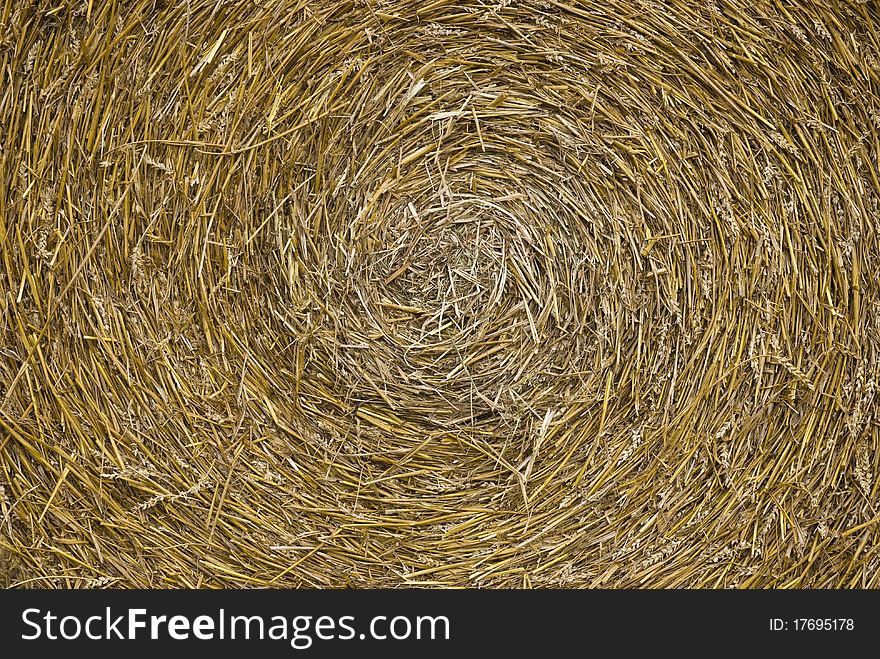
(445, 265)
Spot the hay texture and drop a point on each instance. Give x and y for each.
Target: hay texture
(378, 293)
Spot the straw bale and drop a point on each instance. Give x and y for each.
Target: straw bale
(444, 293)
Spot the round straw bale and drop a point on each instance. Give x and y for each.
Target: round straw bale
(447, 293)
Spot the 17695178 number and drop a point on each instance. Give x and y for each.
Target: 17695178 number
(812, 624)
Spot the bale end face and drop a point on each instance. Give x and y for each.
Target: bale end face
(447, 294)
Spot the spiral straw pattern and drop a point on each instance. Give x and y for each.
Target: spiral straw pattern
(385, 293)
